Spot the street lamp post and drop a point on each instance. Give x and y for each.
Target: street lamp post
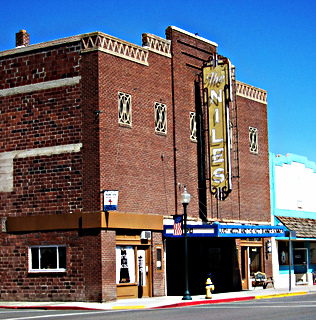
(185, 200)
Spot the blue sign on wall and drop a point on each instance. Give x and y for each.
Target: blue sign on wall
(110, 199)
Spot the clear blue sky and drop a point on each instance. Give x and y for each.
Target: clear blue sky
(272, 44)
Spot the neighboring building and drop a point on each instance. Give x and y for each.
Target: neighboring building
(86, 116)
(293, 204)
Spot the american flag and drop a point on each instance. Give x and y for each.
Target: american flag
(177, 225)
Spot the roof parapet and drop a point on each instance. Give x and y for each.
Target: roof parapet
(157, 44)
(251, 92)
(100, 41)
(191, 35)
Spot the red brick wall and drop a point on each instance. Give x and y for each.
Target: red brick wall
(135, 160)
(108, 262)
(44, 185)
(90, 132)
(57, 62)
(250, 196)
(81, 282)
(254, 168)
(249, 199)
(158, 276)
(188, 56)
(120, 155)
(43, 118)
(268, 268)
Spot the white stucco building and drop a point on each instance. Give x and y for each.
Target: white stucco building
(293, 204)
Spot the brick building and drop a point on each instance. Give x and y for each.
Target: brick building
(88, 114)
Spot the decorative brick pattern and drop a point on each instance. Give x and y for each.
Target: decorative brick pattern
(252, 93)
(157, 44)
(114, 46)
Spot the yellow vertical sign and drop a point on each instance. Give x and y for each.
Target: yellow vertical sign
(215, 84)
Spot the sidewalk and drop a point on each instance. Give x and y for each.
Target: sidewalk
(162, 302)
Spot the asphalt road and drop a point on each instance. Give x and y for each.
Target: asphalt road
(287, 308)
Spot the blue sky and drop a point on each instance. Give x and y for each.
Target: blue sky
(272, 43)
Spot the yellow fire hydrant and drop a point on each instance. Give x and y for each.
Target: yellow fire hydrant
(209, 288)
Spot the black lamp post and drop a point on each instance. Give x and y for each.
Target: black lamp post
(185, 200)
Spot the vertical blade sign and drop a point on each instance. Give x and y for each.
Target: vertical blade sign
(216, 96)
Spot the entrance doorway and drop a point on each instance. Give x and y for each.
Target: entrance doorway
(143, 261)
(300, 265)
(251, 262)
(133, 271)
(244, 268)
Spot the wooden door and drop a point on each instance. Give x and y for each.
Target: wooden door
(144, 271)
(244, 268)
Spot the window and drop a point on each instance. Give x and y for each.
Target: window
(125, 264)
(159, 260)
(125, 109)
(313, 252)
(283, 250)
(193, 136)
(299, 204)
(253, 140)
(160, 118)
(47, 259)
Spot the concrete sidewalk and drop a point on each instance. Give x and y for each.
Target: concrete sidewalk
(162, 302)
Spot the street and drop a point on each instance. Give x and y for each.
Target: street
(287, 308)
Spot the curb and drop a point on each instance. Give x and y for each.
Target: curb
(201, 302)
(49, 307)
(173, 305)
(128, 307)
(280, 295)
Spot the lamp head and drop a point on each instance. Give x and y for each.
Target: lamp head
(185, 196)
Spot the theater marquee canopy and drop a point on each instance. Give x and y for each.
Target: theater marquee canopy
(232, 231)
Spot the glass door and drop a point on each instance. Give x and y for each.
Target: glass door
(300, 264)
(251, 262)
(255, 260)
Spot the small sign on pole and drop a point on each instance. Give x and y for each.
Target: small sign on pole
(110, 199)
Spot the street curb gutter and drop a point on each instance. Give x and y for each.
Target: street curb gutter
(280, 295)
(174, 305)
(201, 302)
(49, 307)
(140, 307)
(128, 307)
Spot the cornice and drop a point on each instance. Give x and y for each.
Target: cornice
(250, 92)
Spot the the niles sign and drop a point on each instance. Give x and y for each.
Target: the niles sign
(216, 84)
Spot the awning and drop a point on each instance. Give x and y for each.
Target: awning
(228, 230)
(304, 228)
